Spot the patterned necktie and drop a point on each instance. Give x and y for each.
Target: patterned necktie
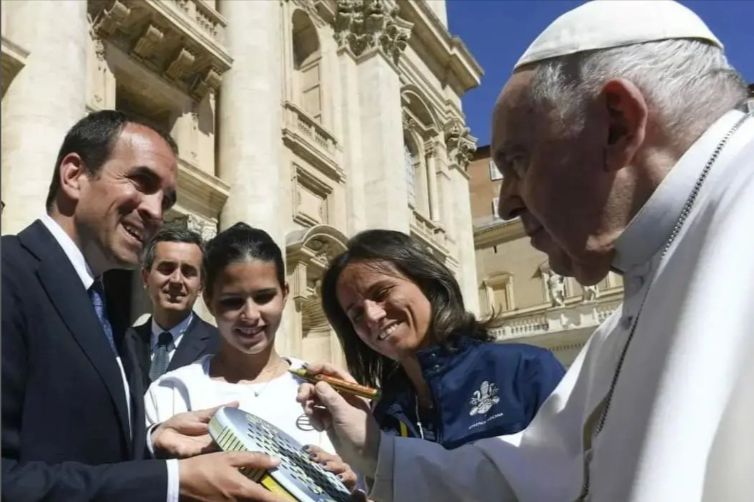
(161, 355)
(97, 297)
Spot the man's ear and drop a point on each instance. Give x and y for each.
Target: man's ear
(286, 290)
(144, 275)
(627, 122)
(208, 302)
(72, 172)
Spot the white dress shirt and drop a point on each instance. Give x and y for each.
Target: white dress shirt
(664, 436)
(176, 332)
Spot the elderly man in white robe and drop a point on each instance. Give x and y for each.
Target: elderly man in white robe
(625, 143)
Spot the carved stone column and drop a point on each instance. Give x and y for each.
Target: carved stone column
(250, 118)
(47, 97)
(374, 36)
(460, 147)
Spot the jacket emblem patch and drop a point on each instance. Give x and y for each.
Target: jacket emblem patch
(484, 398)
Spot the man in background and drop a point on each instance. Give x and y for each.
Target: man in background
(174, 335)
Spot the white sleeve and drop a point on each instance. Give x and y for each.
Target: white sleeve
(151, 411)
(411, 469)
(168, 396)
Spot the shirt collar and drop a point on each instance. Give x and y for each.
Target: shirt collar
(71, 250)
(176, 331)
(652, 225)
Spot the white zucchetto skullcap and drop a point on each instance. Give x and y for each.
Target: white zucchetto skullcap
(603, 24)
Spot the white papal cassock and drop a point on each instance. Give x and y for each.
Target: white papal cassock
(667, 435)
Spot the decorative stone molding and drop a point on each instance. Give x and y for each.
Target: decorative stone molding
(13, 59)
(206, 228)
(461, 144)
(181, 65)
(365, 25)
(454, 64)
(210, 82)
(311, 198)
(310, 8)
(181, 40)
(147, 44)
(308, 253)
(493, 231)
(199, 192)
(409, 122)
(108, 20)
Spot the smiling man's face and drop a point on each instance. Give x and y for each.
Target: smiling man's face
(174, 281)
(121, 206)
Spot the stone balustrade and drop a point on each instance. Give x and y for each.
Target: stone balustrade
(429, 231)
(311, 140)
(548, 320)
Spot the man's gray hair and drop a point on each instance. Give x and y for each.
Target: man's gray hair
(687, 83)
(170, 232)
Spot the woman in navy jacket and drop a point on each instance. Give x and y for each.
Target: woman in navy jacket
(400, 318)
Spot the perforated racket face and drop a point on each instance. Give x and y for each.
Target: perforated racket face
(236, 430)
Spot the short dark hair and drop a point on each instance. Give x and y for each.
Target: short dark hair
(240, 243)
(391, 251)
(171, 232)
(94, 138)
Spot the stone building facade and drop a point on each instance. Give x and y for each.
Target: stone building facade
(533, 304)
(312, 119)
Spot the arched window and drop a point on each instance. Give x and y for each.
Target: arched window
(411, 164)
(306, 66)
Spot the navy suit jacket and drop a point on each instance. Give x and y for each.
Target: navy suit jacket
(199, 339)
(65, 424)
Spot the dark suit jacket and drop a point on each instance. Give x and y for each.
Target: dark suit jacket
(199, 339)
(65, 427)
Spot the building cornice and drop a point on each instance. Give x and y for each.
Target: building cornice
(182, 41)
(199, 191)
(496, 232)
(449, 50)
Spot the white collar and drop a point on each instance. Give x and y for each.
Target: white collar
(651, 226)
(176, 331)
(71, 250)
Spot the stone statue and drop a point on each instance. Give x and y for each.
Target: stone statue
(590, 293)
(556, 286)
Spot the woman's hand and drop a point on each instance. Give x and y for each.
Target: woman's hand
(333, 463)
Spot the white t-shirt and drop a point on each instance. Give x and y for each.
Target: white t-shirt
(190, 388)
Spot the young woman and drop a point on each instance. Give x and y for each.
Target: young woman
(246, 291)
(400, 318)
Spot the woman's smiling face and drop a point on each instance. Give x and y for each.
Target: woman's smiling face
(247, 301)
(387, 310)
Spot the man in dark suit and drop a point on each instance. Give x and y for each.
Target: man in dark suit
(174, 335)
(72, 411)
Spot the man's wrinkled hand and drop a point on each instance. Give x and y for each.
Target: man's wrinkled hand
(217, 477)
(185, 434)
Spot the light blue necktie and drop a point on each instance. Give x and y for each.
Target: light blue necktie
(97, 296)
(161, 358)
